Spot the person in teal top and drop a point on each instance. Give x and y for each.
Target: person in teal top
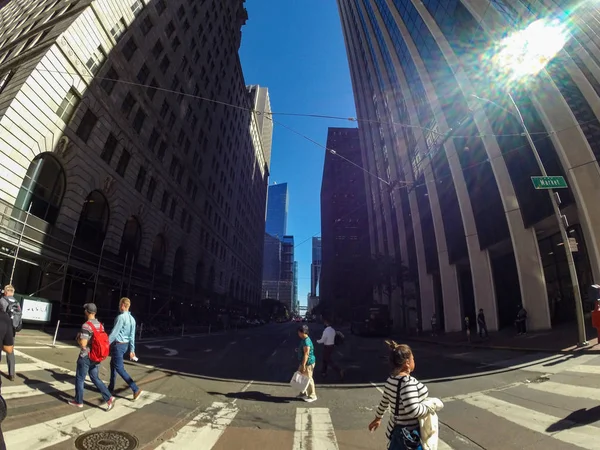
(306, 356)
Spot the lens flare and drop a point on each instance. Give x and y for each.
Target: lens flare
(528, 51)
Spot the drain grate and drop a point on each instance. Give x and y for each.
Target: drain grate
(106, 440)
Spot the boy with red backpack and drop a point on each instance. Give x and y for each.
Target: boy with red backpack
(93, 341)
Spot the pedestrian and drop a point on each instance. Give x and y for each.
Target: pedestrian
(11, 306)
(328, 341)
(94, 348)
(521, 321)
(122, 341)
(434, 325)
(405, 395)
(306, 356)
(482, 325)
(7, 338)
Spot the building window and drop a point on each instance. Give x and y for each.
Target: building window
(164, 202)
(137, 7)
(109, 148)
(175, 43)
(110, 79)
(123, 162)
(143, 74)
(141, 179)
(95, 61)
(153, 139)
(128, 104)
(160, 7)
(67, 107)
(146, 25)
(138, 121)
(170, 29)
(151, 190)
(118, 30)
(173, 167)
(152, 88)
(161, 151)
(5, 79)
(171, 120)
(164, 109)
(93, 221)
(173, 209)
(164, 64)
(157, 49)
(183, 218)
(43, 188)
(129, 49)
(87, 124)
(180, 12)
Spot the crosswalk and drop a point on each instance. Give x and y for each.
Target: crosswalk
(551, 410)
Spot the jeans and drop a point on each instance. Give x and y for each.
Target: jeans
(87, 367)
(117, 351)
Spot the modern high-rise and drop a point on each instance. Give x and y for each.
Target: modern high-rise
(344, 239)
(295, 304)
(449, 184)
(286, 285)
(277, 210)
(315, 266)
(120, 178)
(261, 106)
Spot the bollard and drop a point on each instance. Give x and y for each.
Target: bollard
(55, 334)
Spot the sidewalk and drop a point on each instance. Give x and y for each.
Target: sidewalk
(562, 339)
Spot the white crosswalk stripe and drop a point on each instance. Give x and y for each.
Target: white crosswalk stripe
(203, 432)
(314, 430)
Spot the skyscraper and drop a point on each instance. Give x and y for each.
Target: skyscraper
(127, 176)
(315, 266)
(286, 288)
(457, 203)
(277, 210)
(296, 305)
(261, 105)
(344, 225)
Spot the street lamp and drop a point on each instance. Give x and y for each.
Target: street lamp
(526, 53)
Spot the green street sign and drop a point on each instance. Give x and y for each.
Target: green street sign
(549, 182)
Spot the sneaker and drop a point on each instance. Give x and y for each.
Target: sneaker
(137, 394)
(110, 403)
(75, 404)
(310, 399)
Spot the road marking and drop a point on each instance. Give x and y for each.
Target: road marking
(377, 387)
(314, 430)
(32, 367)
(52, 432)
(567, 389)
(584, 436)
(204, 430)
(595, 370)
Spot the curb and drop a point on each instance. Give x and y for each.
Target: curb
(589, 349)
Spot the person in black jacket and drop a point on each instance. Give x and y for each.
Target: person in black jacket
(8, 341)
(6, 302)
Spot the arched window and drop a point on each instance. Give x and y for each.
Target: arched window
(179, 265)
(132, 238)
(93, 221)
(43, 188)
(159, 252)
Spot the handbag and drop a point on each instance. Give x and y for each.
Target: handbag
(299, 382)
(402, 438)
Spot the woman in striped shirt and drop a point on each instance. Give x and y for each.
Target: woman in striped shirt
(404, 395)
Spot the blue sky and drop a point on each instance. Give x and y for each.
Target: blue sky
(296, 49)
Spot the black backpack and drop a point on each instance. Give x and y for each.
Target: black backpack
(15, 313)
(339, 338)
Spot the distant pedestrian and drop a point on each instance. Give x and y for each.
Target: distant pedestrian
(434, 325)
(306, 356)
(521, 321)
(122, 341)
(482, 325)
(94, 348)
(11, 306)
(328, 341)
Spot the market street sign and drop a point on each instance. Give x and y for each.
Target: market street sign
(549, 182)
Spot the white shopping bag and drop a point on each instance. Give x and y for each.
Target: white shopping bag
(299, 382)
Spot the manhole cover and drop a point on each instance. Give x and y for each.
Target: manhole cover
(106, 440)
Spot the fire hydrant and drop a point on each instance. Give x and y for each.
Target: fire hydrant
(596, 319)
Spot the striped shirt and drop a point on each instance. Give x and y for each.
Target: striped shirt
(410, 407)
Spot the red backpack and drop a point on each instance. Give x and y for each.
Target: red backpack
(100, 346)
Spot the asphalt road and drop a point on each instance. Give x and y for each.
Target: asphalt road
(230, 391)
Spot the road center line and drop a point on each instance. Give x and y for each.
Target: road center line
(244, 389)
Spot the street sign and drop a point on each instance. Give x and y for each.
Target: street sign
(549, 182)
